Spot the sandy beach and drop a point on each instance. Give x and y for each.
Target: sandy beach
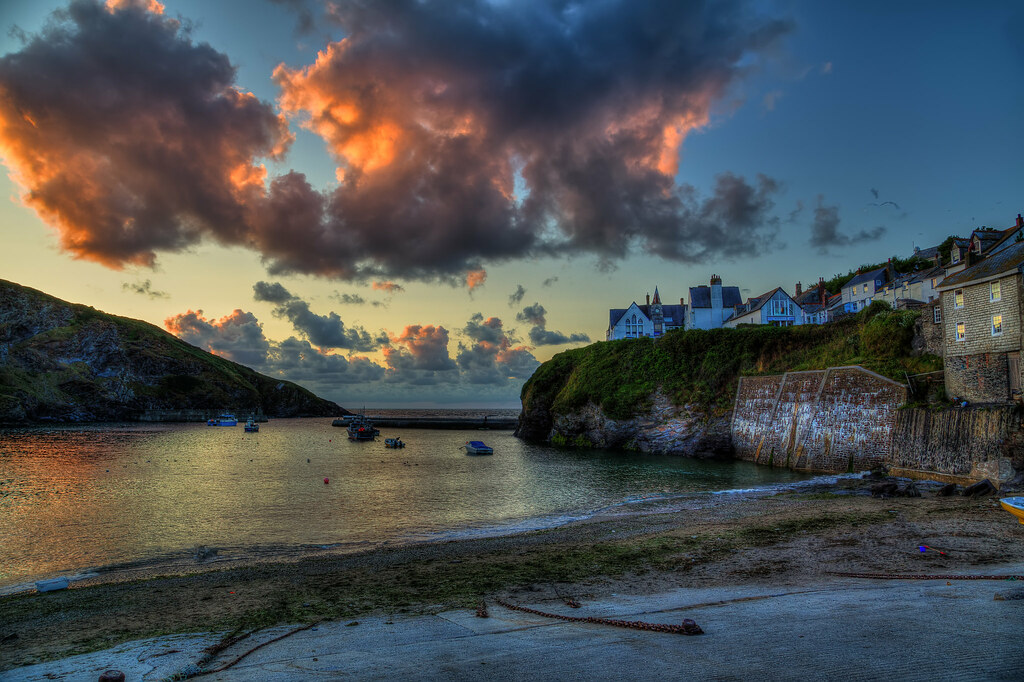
(782, 540)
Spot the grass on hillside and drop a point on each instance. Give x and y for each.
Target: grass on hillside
(701, 367)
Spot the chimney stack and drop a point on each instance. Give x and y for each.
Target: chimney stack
(799, 288)
(648, 299)
(1020, 221)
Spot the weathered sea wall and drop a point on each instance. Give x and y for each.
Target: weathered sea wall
(833, 420)
(959, 444)
(851, 419)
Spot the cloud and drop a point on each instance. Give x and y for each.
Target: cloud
(355, 299)
(539, 336)
(144, 288)
(516, 297)
(324, 331)
(534, 314)
(542, 337)
(389, 287)
(128, 138)
(826, 68)
(874, 192)
(464, 133)
(825, 229)
(475, 278)
(238, 336)
(492, 358)
(549, 281)
(419, 355)
(271, 292)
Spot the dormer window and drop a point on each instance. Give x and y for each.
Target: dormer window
(956, 255)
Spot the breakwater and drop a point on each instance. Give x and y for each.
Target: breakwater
(485, 422)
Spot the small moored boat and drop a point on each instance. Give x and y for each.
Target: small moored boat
(1014, 505)
(225, 419)
(251, 426)
(477, 447)
(361, 428)
(393, 443)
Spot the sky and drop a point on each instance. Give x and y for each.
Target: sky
(416, 202)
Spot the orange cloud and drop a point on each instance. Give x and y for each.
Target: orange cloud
(475, 278)
(390, 287)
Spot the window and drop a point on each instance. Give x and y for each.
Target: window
(937, 314)
(958, 298)
(934, 280)
(960, 332)
(956, 255)
(634, 328)
(780, 308)
(995, 291)
(997, 325)
(865, 288)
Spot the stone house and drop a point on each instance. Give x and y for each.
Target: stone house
(652, 319)
(711, 306)
(775, 307)
(813, 302)
(981, 310)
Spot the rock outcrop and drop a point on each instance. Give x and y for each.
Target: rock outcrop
(66, 362)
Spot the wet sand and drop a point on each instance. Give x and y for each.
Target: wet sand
(717, 541)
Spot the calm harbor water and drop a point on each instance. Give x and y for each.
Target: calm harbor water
(75, 498)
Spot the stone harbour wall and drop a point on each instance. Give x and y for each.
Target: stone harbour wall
(834, 420)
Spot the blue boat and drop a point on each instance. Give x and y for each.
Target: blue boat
(225, 419)
(251, 426)
(477, 447)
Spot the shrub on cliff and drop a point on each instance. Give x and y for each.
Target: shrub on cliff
(701, 367)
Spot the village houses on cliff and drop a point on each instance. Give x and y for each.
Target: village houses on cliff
(972, 308)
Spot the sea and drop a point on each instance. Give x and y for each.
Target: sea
(96, 500)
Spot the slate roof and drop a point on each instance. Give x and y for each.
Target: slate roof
(1010, 258)
(671, 312)
(810, 297)
(930, 252)
(757, 302)
(987, 238)
(700, 297)
(867, 277)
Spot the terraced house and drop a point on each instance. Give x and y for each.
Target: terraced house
(981, 309)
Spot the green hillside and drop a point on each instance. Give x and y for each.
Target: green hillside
(701, 367)
(61, 361)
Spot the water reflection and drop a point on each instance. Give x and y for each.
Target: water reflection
(76, 497)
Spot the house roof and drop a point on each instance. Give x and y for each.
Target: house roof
(810, 296)
(987, 238)
(1009, 259)
(930, 252)
(757, 302)
(869, 276)
(700, 297)
(673, 312)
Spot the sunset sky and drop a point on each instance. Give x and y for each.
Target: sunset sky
(411, 202)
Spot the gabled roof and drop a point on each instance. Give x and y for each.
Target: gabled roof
(757, 302)
(810, 296)
(673, 312)
(1006, 261)
(870, 276)
(700, 297)
(987, 238)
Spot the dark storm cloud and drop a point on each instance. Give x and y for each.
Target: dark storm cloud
(129, 138)
(133, 140)
(825, 232)
(516, 297)
(324, 331)
(145, 289)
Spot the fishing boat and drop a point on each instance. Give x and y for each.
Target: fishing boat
(251, 426)
(477, 447)
(343, 421)
(225, 419)
(361, 428)
(1014, 505)
(393, 443)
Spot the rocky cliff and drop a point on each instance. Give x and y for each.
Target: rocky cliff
(675, 395)
(66, 362)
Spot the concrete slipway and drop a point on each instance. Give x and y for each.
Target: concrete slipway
(849, 629)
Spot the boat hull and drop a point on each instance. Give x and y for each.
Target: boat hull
(1014, 505)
